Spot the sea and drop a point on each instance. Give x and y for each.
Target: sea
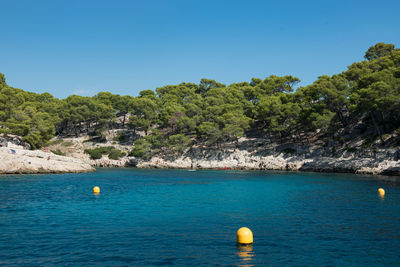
(160, 217)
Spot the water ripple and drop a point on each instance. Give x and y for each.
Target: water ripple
(170, 217)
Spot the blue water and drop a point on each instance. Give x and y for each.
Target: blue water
(178, 217)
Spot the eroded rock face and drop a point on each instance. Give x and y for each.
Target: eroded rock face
(311, 160)
(27, 161)
(13, 141)
(255, 154)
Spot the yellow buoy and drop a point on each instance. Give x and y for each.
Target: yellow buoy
(381, 192)
(244, 236)
(96, 190)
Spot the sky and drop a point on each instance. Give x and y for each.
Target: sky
(87, 46)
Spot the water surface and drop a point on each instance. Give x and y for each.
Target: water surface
(178, 217)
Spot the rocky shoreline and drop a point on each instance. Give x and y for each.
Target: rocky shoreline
(21, 161)
(248, 154)
(254, 154)
(245, 160)
(26, 161)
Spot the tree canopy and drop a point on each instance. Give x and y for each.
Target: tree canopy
(211, 112)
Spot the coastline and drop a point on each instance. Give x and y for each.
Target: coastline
(245, 161)
(21, 161)
(248, 154)
(38, 164)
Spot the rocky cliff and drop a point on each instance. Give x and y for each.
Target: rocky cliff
(252, 154)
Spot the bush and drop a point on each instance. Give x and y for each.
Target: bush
(97, 153)
(94, 154)
(142, 149)
(116, 154)
(67, 143)
(56, 142)
(58, 152)
(105, 149)
(121, 137)
(96, 139)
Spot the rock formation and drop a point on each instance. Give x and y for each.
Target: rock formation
(275, 157)
(14, 160)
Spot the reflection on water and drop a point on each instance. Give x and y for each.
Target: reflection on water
(246, 255)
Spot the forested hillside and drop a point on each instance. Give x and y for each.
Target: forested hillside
(365, 96)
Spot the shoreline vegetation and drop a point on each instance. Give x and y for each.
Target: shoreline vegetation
(347, 122)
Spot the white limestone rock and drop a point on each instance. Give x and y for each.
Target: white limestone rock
(26, 161)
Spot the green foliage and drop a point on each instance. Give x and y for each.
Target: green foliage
(56, 142)
(58, 152)
(2, 80)
(179, 142)
(141, 149)
(207, 84)
(116, 154)
(143, 113)
(122, 137)
(94, 154)
(156, 139)
(148, 94)
(85, 114)
(275, 84)
(98, 152)
(149, 145)
(367, 93)
(379, 50)
(277, 113)
(67, 143)
(209, 131)
(32, 116)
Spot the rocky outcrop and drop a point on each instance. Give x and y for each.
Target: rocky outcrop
(111, 163)
(13, 141)
(252, 154)
(298, 158)
(13, 160)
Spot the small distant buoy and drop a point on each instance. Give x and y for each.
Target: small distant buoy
(96, 190)
(381, 192)
(244, 236)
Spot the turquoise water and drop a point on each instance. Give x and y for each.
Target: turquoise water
(178, 217)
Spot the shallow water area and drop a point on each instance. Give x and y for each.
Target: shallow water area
(178, 217)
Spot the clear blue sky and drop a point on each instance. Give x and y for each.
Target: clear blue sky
(88, 46)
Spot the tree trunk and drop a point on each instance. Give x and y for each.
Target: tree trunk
(378, 130)
(383, 120)
(123, 122)
(341, 118)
